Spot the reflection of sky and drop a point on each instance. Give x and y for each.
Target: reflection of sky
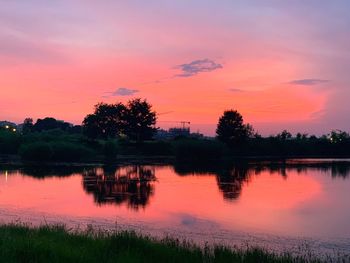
(308, 204)
(283, 64)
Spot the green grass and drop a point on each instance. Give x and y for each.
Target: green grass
(19, 243)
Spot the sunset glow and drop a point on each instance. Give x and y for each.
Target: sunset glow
(280, 63)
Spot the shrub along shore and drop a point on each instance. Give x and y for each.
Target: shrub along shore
(19, 243)
(60, 146)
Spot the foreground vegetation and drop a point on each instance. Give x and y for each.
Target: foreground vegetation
(19, 243)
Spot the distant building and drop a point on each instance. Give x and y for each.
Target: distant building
(175, 133)
(180, 132)
(162, 135)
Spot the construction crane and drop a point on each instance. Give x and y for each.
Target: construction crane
(183, 123)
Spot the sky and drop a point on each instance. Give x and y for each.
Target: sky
(281, 64)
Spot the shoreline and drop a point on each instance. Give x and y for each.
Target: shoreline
(15, 160)
(274, 243)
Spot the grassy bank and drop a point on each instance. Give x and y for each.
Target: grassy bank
(54, 244)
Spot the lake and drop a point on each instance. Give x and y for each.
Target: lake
(294, 205)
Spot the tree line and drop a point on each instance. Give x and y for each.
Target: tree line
(136, 120)
(129, 128)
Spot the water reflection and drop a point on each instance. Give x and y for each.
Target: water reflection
(231, 177)
(133, 185)
(230, 181)
(233, 202)
(42, 172)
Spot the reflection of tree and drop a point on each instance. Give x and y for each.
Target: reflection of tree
(133, 185)
(231, 177)
(336, 168)
(340, 170)
(230, 181)
(42, 172)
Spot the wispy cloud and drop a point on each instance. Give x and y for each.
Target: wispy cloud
(308, 82)
(236, 90)
(318, 114)
(197, 66)
(120, 92)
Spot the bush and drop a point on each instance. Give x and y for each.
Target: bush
(110, 150)
(156, 148)
(52, 136)
(60, 151)
(199, 150)
(37, 151)
(9, 142)
(65, 151)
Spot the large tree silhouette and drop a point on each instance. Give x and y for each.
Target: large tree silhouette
(28, 125)
(135, 120)
(140, 120)
(107, 121)
(231, 128)
(49, 123)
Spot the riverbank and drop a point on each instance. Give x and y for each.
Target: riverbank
(19, 243)
(60, 146)
(15, 160)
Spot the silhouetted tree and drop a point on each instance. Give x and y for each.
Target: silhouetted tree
(140, 120)
(91, 127)
(49, 123)
(107, 121)
(338, 136)
(301, 136)
(231, 128)
(284, 135)
(28, 125)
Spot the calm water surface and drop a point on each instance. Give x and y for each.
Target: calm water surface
(275, 205)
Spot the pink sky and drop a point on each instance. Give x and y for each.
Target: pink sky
(282, 65)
